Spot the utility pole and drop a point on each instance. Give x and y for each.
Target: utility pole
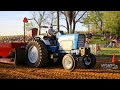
(58, 21)
(25, 20)
(24, 32)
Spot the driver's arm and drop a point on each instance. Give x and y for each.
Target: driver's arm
(48, 34)
(55, 32)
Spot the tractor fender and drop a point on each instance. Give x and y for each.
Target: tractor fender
(38, 38)
(46, 42)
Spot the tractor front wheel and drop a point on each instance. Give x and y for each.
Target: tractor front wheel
(68, 62)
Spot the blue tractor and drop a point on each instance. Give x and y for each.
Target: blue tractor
(69, 49)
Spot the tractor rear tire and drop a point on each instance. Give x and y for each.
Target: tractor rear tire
(89, 61)
(37, 54)
(68, 62)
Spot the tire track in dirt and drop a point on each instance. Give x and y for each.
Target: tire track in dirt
(104, 74)
(56, 72)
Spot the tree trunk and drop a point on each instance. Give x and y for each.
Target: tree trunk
(74, 24)
(39, 30)
(70, 19)
(70, 30)
(101, 25)
(118, 28)
(58, 21)
(67, 25)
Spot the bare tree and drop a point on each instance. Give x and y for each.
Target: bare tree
(77, 18)
(39, 17)
(65, 15)
(29, 25)
(72, 18)
(52, 17)
(45, 18)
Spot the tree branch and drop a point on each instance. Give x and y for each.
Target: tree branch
(36, 21)
(63, 26)
(80, 17)
(63, 12)
(75, 14)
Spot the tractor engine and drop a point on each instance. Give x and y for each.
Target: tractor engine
(73, 43)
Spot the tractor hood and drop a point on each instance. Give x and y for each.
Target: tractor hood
(68, 42)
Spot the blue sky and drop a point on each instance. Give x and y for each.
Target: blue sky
(11, 22)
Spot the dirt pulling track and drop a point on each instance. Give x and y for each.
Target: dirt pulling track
(8, 71)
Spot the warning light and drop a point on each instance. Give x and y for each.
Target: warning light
(25, 20)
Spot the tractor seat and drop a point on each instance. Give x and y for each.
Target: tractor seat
(45, 37)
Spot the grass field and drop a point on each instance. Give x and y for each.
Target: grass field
(105, 53)
(110, 51)
(97, 40)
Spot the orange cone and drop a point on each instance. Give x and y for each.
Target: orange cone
(114, 60)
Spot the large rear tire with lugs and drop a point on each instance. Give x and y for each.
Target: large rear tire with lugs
(37, 54)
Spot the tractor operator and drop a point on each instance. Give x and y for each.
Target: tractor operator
(51, 31)
(51, 34)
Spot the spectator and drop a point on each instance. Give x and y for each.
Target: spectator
(98, 50)
(113, 42)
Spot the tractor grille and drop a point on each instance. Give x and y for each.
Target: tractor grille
(81, 40)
